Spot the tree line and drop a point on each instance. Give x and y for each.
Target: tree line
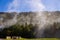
(26, 31)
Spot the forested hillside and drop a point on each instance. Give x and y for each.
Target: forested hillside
(28, 24)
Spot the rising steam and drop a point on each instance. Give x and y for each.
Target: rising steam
(42, 19)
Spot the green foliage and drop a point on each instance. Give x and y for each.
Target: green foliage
(26, 31)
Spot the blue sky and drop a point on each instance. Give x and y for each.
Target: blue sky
(3, 4)
(29, 5)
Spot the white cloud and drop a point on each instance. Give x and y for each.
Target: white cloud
(37, 5)
(34, 5)
(14, 6)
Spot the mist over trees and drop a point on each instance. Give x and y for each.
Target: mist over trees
(27, 23)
